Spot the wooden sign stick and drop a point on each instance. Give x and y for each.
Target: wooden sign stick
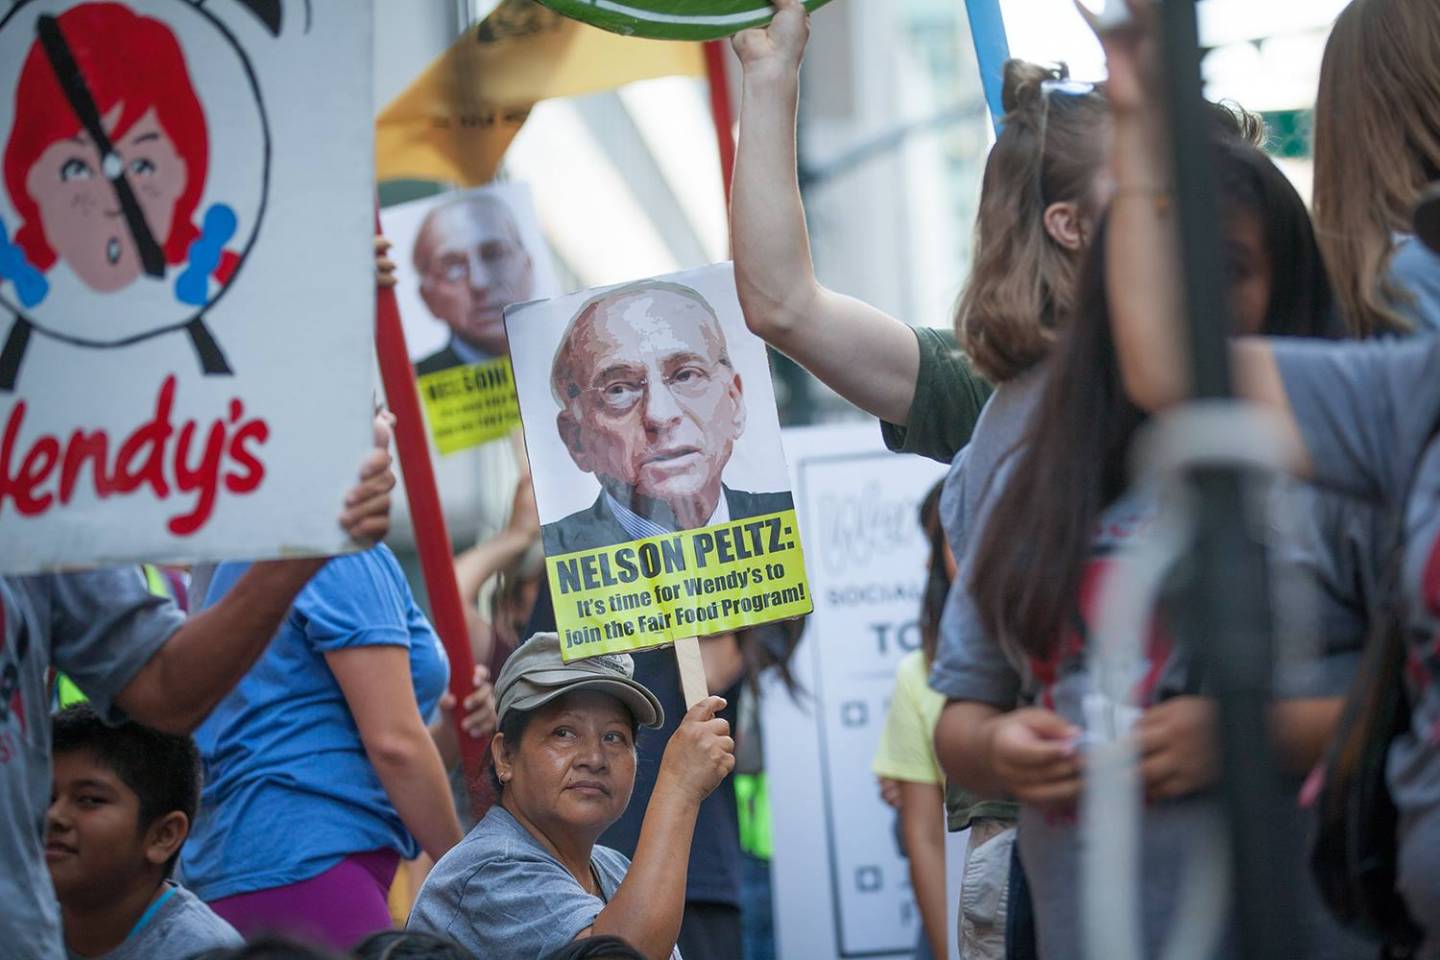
(692, 671)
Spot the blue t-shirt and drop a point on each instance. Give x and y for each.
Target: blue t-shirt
(289, 791)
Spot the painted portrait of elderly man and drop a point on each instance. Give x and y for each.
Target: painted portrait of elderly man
(472, 263)
(651, 404)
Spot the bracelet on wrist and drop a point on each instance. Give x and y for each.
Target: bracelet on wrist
(1159, 197)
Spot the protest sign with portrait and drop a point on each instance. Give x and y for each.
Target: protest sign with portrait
(654, 442)
(186, 279)
(463, 258)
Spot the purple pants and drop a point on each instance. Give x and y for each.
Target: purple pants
(336, 909)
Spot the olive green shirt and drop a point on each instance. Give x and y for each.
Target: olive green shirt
(949, 396)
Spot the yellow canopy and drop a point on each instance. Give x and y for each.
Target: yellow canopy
(454, 123)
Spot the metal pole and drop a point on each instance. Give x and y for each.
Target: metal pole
(1225, 617)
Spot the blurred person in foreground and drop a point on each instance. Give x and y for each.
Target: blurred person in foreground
(530, 877)
(409, 945)
(597, 948)
(270, 947)
(1380, 88)
(1361, 418)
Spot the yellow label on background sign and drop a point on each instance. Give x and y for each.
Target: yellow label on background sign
(646, 593)
(470, 405)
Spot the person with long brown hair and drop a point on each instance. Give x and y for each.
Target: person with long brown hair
(1057, 511)
(1044, 184)
(1362, 419)
(1377, 147)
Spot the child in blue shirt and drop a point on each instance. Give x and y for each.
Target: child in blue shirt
(123, 802)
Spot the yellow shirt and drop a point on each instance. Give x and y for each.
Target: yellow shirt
(907, 744)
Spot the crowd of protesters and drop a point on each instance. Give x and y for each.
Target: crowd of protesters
(259, 776)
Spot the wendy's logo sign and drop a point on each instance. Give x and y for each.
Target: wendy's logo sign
(134, 184)
(187, 285)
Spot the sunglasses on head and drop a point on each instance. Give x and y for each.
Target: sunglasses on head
(1061, 86)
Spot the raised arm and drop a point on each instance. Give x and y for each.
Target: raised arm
(210, 653)
(864, 354)
(378, 689)
(648, 905)
(1142, 248)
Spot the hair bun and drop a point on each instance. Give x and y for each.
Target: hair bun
(1025, 83)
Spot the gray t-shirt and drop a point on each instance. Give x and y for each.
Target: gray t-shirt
(965, 669)
(500, 894)
(1326, 547)
(179, 929)
(1415, 269)
(1369, 414)
(99, 627)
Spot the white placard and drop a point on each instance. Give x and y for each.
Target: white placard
(654, 441)
(461, 259)
(186, 278)
(841, 887)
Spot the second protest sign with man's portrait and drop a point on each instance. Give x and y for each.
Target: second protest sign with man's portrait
(664, 501)
(464, 258)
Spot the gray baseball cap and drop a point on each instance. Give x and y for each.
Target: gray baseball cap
(535, 674)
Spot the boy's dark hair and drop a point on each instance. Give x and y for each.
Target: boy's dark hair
(597, 948)
(409, 945)
(162, 768)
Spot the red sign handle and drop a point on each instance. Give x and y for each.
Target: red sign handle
(432, 540)
(721, 110)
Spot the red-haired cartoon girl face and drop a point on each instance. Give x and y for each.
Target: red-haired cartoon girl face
(78, 208)
(60, 182)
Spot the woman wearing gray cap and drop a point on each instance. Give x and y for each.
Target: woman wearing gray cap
(530, 877)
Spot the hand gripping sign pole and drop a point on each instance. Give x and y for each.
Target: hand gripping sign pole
(432, 540)
(1224, 617)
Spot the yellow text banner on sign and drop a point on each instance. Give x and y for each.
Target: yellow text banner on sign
(646, 593)
(470, 405)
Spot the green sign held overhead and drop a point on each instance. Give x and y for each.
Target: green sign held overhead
(672, 19)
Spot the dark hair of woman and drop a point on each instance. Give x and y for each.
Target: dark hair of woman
(270, 948)
(597, 948)
(937, 577)
(409, 945)
(1072, 462)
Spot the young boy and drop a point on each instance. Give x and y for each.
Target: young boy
(123, 801)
